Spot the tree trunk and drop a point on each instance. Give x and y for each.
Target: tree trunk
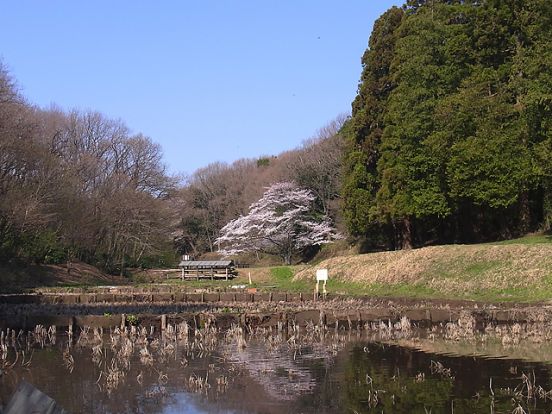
(547, 208)
(524, 212)
(287, 259)
(121, 273)
(392, 234)
(209, 240)
(407, 233)
(287, 253)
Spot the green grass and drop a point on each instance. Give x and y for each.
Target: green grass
(282, 279)
(420, 291)
(460, 270)
(521, 295)
(84, 285)
(63, 287)
(200, 284)
(474, 270)
(282, 274)
(484, 275)
(379, 289)
(532, 239)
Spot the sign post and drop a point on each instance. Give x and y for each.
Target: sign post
(321, 276)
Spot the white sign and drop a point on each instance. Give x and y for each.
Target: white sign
(321, 275)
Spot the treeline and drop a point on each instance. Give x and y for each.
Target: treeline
(213, 196)
(78, 186)
(450, 138)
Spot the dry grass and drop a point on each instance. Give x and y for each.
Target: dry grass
(258, 274)
(448, 269)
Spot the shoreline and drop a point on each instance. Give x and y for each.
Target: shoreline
(24, 311)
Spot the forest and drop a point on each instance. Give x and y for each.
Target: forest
(448, 141)
(79, 186)
(450, 135)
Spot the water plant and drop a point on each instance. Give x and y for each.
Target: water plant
(212, 358)
(132, 319)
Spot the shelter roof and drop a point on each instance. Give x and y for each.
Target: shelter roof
(206, 263)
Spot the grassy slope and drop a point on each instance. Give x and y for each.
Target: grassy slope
(14, 279)
(515, 270)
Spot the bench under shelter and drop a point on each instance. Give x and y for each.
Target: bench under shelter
(208, 269)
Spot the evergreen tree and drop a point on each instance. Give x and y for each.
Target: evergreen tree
(430, 61)
(363, 131)
(450, 138)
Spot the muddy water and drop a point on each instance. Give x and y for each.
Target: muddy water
(270, 372)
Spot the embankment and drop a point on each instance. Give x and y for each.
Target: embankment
(256, 309)
(510, 272)
(16, 278)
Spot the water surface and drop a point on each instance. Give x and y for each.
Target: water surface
(308, 371)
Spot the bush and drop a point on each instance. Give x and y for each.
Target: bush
(164, 259)
(43, 247)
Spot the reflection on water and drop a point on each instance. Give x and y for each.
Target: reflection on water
(389, 369)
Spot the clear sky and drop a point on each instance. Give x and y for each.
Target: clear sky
(208, 80)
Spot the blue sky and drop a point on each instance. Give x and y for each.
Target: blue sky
(208, 80)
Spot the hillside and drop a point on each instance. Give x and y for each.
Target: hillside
(516, 270)
(14, 278)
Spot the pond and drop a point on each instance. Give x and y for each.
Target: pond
(296, 370)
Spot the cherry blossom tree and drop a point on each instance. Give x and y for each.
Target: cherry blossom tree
(281, 223)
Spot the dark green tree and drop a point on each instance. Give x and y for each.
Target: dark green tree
(431, 58)
(450, 138)
(364, 130)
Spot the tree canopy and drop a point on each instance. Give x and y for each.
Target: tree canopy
(77, 185)
(450, 138)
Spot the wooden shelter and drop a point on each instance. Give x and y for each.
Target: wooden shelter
(207, 269)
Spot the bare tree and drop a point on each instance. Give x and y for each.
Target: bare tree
(317, 165)
(82, 178)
